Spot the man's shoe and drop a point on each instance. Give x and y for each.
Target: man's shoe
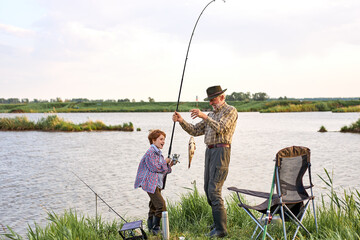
(156, 230)
(216, 233)
(212, 226)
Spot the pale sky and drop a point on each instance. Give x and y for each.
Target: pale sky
(116, 49)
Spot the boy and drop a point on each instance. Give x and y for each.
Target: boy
(151, 176)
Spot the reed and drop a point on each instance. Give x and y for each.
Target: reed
(348, 109)
(191, 214)
(70, 226)
(353, 128)
(54, 123)
(16, 124)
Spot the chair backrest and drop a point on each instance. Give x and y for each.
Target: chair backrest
(292, 163)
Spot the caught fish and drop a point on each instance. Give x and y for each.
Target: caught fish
(192, 148)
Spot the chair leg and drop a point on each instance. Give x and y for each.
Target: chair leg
(283, 220)
(252, 236)
(292, 216)
(300, 221)
(314, 210)
(257, 222)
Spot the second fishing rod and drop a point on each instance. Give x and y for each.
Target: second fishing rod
(98, 196)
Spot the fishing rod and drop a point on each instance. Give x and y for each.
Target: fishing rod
(183, 73)
(268, 211)
(97, 195)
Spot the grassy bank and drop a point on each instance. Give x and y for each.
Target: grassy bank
(338, 218)
(54, 123)
(242, 106)
(353, 128)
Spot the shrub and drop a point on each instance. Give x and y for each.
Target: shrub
(322, 129)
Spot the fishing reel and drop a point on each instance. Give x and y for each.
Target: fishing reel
(175, 158)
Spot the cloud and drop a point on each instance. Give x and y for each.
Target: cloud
(118, 49)
(16, 31)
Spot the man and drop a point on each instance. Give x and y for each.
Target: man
(218, 128)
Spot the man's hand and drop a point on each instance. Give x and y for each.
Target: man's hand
(177, 117)
(197, 113)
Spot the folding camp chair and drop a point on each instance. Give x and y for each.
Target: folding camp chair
(291, 200)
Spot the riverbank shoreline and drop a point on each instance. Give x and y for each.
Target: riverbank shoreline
(337, 218)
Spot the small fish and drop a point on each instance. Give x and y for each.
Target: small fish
(192, 148)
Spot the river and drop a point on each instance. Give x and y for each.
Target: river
(36, 167)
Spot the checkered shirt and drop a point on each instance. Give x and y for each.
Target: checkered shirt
(150, 165)
(219, 127)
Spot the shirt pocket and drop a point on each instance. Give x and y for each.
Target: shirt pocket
(221, 174)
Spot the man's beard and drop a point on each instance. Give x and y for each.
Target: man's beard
(216, 106)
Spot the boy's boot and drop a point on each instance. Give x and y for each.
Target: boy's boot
(150, 223)
(156, 225)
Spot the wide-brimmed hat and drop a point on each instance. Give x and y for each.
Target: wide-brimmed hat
(213, 92)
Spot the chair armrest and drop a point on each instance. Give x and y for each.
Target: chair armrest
(253, 193)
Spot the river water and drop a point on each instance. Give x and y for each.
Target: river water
(36, 167)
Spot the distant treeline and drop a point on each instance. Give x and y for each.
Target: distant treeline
(26, 100)
(235, 96)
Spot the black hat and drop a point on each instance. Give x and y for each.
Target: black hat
(214, 91)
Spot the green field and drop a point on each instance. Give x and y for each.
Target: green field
(269, 106)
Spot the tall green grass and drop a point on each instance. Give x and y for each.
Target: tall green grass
(338, 217)
(70, 226)
(54, 123)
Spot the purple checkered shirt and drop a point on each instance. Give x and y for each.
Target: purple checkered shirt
(151, 164)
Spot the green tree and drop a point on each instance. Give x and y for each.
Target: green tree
(239, 96)
(260, 96)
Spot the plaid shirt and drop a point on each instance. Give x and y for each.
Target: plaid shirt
(219, 127)
(151, 164)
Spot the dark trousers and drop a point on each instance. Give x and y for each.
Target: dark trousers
(156, 204)
(216, 170)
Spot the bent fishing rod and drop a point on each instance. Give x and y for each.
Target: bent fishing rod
(183, 74)
(97, 195)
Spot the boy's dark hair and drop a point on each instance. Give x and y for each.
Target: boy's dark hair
(154, 134)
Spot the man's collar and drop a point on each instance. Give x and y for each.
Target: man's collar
(220, 107)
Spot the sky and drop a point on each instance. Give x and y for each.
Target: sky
(117, 49)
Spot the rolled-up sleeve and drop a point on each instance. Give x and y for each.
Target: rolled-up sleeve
(194, 130)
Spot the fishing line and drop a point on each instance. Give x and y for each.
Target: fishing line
(183, 73)
(97, 195)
